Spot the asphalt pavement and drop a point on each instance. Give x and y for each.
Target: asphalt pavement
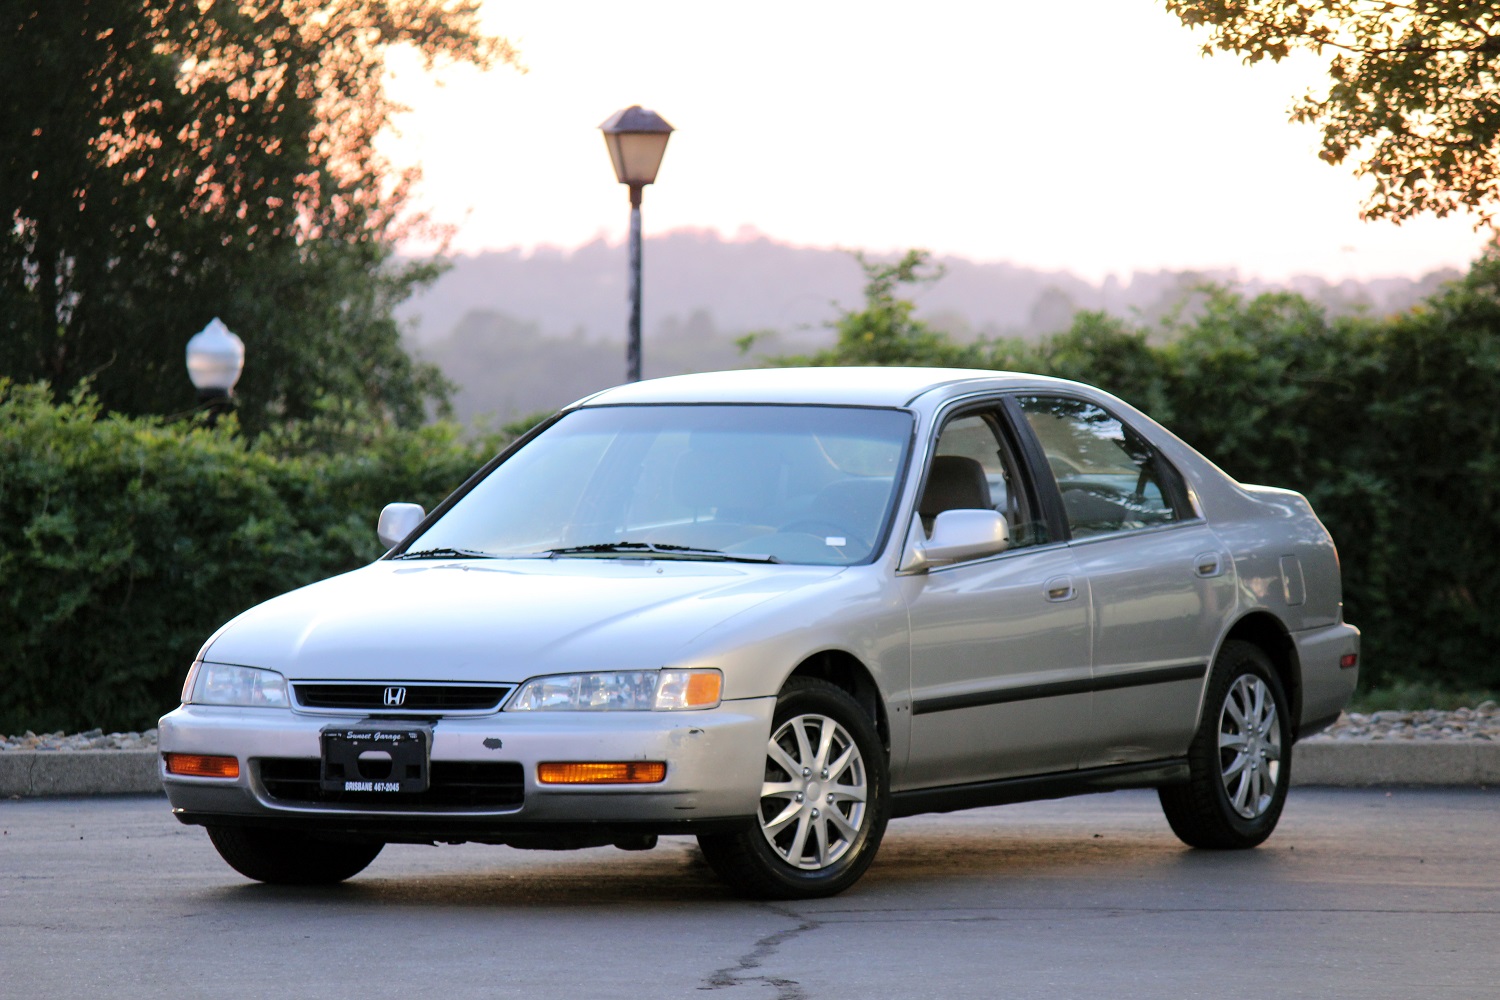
(1383, 893)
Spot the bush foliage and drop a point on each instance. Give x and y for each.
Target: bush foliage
(1389, 425)
(125, 542)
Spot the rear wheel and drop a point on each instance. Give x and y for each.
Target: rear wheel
(824, 801)
(1240, 758)
(283, 857)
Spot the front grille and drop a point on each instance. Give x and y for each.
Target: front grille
(415, 697)
(452, 784)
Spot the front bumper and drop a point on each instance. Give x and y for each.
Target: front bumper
(715, 767)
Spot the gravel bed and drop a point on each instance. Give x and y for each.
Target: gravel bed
(1466, 725)
(94, 739)
(1481, 723)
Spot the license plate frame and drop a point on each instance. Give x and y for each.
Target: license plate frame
(345, 768)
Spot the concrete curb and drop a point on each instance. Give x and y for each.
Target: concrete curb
(1358, 763)
(79, 772)
(1341, 763)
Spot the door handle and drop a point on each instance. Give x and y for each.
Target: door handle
(1060, 588)
(1208, 564)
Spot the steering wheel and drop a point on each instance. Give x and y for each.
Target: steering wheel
(1105, 490)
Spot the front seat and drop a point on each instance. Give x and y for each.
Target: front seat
(956, 482)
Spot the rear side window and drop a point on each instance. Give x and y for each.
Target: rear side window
(1110, 479)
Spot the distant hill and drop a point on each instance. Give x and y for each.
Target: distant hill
(521, 332)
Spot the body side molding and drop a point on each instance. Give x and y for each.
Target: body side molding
(1113, 682)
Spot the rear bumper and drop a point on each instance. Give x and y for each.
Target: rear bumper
(1326, 686)
(715, 766)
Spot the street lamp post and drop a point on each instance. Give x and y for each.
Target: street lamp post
(636, 138)
(215, 359)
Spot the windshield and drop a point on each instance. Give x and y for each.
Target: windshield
(798, 484)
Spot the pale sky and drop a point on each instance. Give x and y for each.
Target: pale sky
(1089, 136)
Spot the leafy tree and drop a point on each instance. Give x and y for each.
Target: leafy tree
(166, 161)
(1412, 90)
(885, 332)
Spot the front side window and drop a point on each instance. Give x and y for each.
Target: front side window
(973, 466)
(801, 484)
(1109, 477)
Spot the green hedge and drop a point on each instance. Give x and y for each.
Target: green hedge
(125, 542)
(1390, 426)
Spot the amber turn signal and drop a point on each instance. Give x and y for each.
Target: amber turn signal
(199, 765)
(703, 689)
(624, 772)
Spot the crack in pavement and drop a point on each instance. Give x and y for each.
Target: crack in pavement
(786, 989)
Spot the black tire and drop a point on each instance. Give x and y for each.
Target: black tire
(284, 857)
(1234, 796)
(771, 860)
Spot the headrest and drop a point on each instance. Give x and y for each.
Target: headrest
(956, 482)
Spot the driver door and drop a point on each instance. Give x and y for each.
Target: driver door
(1000, 645)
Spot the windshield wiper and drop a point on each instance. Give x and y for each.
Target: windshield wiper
(446, 553)
(652, 548)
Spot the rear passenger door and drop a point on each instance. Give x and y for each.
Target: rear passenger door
(1161, 583)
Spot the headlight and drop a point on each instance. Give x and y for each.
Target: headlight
(192, 679)
(221, 684)
(620, 690)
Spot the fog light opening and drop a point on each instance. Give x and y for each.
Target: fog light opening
(624, 772)
(198, 765)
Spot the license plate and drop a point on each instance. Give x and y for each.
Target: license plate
(377, 759)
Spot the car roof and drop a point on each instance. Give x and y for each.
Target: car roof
(839, 386)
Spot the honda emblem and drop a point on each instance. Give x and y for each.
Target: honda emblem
(395, 697)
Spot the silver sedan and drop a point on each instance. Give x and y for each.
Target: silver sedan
(775, 609)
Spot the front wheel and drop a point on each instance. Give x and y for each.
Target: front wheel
(824, 801)
(1240, 758)
(284, 857)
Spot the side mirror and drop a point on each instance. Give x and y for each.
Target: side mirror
(957, 535)
(397, 521)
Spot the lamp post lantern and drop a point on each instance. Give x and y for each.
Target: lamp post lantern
(215, 359)
(637, 139)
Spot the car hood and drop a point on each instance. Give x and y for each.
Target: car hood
(499, 620)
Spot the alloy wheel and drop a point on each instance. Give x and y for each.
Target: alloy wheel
(1249, 746)
(813, 801)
